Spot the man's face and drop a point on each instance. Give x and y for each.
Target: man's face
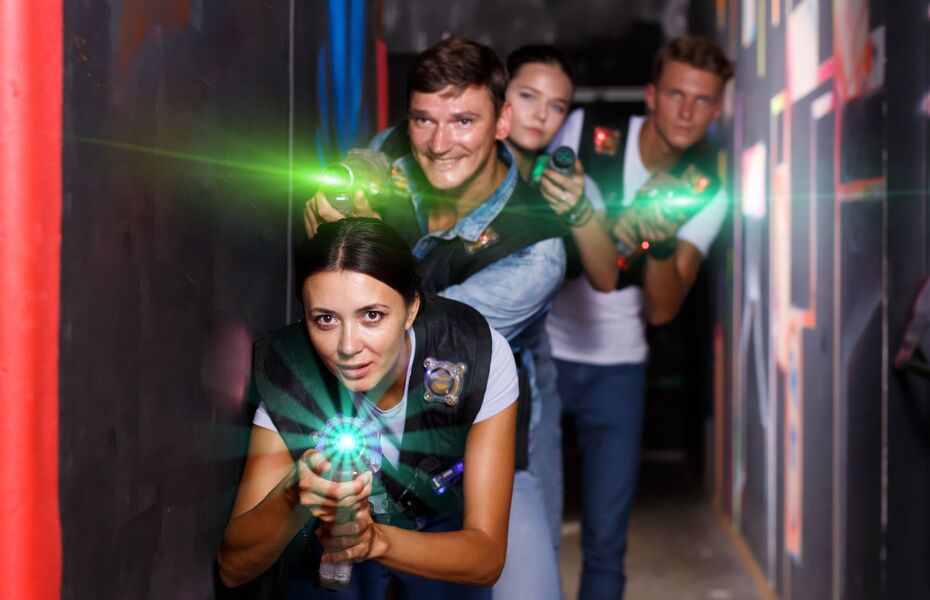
(683, 103)
(453, 137)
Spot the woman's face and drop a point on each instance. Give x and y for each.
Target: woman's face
(357, 325)
(540, 94)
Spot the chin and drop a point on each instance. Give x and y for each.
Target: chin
(444, 183)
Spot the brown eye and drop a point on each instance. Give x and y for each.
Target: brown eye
(373, 316)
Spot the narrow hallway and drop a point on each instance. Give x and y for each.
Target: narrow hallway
(678, 549)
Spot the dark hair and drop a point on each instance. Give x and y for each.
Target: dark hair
(362, 245)
(460, 63)
(695, 51)
(540, 53)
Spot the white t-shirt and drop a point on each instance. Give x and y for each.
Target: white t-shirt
(501, 392)
(608, 328)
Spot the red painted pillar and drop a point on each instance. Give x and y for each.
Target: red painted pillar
(30, 245)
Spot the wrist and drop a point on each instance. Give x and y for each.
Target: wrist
(380, 545)
(663, 250)
(580, 214)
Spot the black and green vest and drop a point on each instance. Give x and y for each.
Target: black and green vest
(300, 394)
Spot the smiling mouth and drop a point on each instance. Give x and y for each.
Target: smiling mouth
(354, 371)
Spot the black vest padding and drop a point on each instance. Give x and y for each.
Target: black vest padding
(300, 393)
(524, 221)
(606, 169)
(457, 333)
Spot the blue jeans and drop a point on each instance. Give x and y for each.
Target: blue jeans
(532, 568)
(606, 403)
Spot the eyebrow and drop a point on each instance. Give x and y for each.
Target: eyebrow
(524, 86)
(373, 307)
(422, 114)
(366, 308)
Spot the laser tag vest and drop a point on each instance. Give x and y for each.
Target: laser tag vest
(525, 220)
(602, 151)
(300, 394)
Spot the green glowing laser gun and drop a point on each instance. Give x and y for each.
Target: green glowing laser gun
(361, 169)
(352, 445)
(562, 160)
(676, 197)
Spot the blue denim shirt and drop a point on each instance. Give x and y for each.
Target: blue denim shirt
(513, 292)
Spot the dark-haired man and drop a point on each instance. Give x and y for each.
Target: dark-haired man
(598, 338)
(484, 238)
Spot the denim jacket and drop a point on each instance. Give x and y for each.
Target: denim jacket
(512, 293)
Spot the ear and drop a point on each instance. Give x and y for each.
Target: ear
(650, 97)
(412, 311)
(504, 121)
(718, 109)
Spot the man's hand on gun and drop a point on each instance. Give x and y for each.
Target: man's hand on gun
(318, 210)
(643, 221)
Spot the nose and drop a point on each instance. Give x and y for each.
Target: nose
(686, 109)
(441, 140)
(350, 343)
(539, 112)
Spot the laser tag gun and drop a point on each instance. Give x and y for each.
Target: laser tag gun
(428, 480)
(352, 445)
(361, 169)
(562, 160)
(678, 195)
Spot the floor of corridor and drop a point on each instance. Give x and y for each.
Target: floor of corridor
(677, 549)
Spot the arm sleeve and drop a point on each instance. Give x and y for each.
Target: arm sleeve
(503, 387)
(262, 418)
(702, 228)
(512, 291)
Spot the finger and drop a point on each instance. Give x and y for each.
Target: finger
(557, 198)
(324, 209)
(361, 205)
(356, 553)
(360, 487)
(315, 461)
(310, 223)
(573, 188)
(353, 527)
(579, 168)
(557, 178)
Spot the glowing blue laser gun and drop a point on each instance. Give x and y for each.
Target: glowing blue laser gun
(352, 446)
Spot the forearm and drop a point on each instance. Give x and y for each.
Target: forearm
(598, 254)
(254, 540)
(468, 556)
(664, 290)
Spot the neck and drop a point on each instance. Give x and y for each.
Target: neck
(656, 153)
(523, 158)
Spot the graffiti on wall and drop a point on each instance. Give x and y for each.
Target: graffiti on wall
(821, 91)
